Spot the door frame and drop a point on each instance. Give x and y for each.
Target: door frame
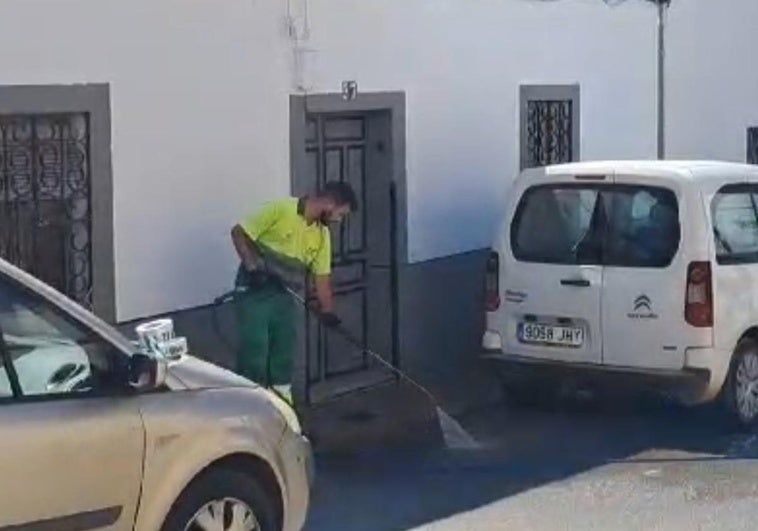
(93, 99)
(392, 103)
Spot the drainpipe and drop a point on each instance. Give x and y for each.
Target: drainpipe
(661, 98)
(663, 6)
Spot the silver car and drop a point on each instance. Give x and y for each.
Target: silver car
(96, 436)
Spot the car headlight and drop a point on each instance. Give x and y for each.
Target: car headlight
(290, 417)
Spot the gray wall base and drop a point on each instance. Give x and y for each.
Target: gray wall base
(441, 324)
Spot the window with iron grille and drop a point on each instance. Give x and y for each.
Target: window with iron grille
(752, 145)
(549, 124)
(45, 199)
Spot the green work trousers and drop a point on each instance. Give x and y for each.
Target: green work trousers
(266, 323)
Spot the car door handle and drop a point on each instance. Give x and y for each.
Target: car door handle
(576, 282)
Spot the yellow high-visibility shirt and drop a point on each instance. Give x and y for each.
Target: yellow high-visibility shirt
(282, 227)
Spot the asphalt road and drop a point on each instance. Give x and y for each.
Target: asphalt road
(635, 465)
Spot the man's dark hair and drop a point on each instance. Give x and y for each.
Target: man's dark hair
(341, 193)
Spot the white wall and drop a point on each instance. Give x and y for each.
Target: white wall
(712, 78)
(199, 115)
(200, 108)
(461, 63)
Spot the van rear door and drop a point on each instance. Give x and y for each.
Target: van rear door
(646, 265)
(553, 276)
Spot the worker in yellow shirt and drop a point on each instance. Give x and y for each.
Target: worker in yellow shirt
(271, 245)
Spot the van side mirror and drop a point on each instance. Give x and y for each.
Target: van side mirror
(146, 372)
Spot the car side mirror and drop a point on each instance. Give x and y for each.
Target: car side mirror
(146, 372)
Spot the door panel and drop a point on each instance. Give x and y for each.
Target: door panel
(71, 461)
(343, 357)
(645, 276)
(643, 318)
(553, 277)
(535, 294)
(735, 220)
(353, 148)
(70, 450)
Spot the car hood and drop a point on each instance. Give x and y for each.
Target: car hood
(192, 373)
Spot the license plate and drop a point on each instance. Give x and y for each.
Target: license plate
(560, 336)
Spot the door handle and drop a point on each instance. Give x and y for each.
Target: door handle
(576, 282)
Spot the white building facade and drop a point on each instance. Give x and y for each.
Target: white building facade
(183, 113)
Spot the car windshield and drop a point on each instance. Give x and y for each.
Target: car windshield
(50, 353)
(43, 362)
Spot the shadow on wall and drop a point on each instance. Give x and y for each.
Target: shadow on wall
(441, 325)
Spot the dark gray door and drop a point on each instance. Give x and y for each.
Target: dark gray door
(45, 199)
(354, 148)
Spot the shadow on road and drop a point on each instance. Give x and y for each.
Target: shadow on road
(522, 449)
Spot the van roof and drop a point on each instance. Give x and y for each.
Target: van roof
(700, 170)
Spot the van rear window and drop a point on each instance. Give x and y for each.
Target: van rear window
(734, 212)
(612, 225)
(553, 225)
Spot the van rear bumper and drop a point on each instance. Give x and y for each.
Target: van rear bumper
(689, 384)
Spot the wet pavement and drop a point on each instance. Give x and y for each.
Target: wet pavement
(638, 464)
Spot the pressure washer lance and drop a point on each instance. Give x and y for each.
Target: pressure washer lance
(454, 434)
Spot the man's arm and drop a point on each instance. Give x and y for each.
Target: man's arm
(246, 249)
(322, 273)
(246, 233)
(324, 293)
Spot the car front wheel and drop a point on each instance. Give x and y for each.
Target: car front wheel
(222, 500)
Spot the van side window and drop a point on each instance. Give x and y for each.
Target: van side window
(643, 227)
(734, 211)
(558, 225)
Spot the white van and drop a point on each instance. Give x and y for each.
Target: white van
(645, 269)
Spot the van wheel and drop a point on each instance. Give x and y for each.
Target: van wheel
(741, 389)
(222, 499)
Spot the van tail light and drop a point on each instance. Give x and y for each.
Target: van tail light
(698, 308)
(492, 283)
